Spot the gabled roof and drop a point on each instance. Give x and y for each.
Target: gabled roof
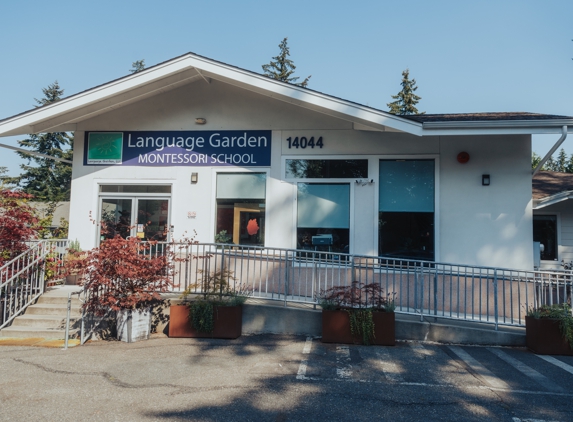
(189, 68)
(551, 187)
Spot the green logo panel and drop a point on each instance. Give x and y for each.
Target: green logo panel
(105, 148)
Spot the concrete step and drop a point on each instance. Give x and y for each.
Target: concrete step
(34, 332)
(55, 321)
(53, 309)
(47, 299)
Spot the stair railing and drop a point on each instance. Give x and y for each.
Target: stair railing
(22, 280)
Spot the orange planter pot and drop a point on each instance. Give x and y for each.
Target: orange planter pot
(543, 337)
(336, 328)
(228, 322)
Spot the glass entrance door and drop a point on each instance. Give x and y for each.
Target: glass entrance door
(146, 218)
(152, 219)
(115, 217)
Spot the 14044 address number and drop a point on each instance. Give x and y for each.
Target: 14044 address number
(304, 142)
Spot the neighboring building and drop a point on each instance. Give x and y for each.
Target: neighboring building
(553, 217)
(195, 145)
(61, 210)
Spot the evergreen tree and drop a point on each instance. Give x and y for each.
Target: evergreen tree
(137, 66)
(561, 163)
(406, 99)
(535, 160)
(569, 167)
(47, 180)
(549, 165)
(282, 68)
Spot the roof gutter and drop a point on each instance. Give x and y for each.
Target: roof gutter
(505, 124)
(552, 150)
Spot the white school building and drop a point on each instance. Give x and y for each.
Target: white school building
(196, 147)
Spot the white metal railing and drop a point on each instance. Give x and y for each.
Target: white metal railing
(481, 294)
(22, 280)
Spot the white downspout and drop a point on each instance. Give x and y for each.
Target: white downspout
(550, 153)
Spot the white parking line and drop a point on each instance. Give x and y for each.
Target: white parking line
(557, 362)
(530, 420)
(390, 369)
(481, 370)
(304, 363)
(526, 370)
(343, 367)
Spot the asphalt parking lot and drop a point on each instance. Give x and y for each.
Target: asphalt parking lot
(281, 378)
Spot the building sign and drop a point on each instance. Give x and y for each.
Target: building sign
(250, 148)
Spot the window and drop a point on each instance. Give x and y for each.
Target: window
(241, 208)
(323, 216)
(545, 232)
(406, 209)
(326, 169)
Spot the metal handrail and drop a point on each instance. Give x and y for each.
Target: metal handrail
(497, 296)
(22, 279)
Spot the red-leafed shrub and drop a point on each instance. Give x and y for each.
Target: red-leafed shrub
(18, 224)
(121, 274)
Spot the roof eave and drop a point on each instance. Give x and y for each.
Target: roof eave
(501, 127)
(552, 200)
(38, 120)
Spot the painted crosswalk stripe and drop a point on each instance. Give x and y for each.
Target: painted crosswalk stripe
(343, 367)
(304, 363)
(481, 370)
(557, 362)
(389, 366)
(528, 371)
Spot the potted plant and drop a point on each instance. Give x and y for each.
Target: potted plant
(74, 253)
(358, 314)
(216, 311)
(549, 330)
(121, 276)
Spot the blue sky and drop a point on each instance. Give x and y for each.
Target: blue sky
(466, 56)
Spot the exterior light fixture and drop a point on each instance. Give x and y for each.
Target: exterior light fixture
(200, 120)
(194, 178)
(485, 180)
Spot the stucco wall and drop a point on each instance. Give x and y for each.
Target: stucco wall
(486, 225)
(474, 224)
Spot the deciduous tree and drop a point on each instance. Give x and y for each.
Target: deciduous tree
(18, 223)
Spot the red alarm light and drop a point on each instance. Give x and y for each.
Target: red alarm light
(463, 157)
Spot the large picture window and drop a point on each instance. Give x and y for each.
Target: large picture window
(545, 232)
(241, 208)
(406, 209)
(323, 216)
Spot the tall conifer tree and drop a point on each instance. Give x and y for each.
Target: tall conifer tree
(48, 180)
(137, 66)
(406, 99)
(282, 68)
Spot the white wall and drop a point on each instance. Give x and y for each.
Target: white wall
(486, 225)
(475, 225)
